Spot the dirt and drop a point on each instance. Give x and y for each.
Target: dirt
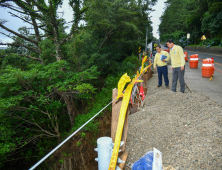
(78, 152)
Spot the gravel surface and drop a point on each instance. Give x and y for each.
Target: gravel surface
(185, 127)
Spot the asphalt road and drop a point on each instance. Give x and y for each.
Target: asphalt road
(217, 58)
(197, 83)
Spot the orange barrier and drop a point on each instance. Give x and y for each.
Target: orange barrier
(194, 61)
(212, 64)
(212, 60)
(207, 67)
(168, 50)
(186, 56)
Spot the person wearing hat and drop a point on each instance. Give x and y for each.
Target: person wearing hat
(160, 62)
(178, 65)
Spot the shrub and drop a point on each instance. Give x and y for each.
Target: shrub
(211, 42)
(214, 42)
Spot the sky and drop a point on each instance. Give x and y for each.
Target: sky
(159, 9)
(14, 23)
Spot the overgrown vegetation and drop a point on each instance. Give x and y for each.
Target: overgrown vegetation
(52, 82)
(197, 17)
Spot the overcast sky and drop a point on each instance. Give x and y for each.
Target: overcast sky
(14, 23)
(159, 9)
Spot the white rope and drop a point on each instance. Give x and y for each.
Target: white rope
(44, 158)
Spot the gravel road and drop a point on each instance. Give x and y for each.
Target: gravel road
(185, 127)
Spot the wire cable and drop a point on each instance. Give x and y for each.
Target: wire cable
(45, 157)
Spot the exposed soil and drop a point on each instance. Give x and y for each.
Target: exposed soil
(78, 153)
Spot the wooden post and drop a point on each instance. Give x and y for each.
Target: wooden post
(123, 158)
(134, 108)
(125, 129)
(145, 83)
(138, 95)
(149, 62)
(116, 105)
(145, 79)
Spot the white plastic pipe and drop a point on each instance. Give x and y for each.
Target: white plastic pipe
(104, 145)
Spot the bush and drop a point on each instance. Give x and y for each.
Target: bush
(133, 59)
(214, 42)
(183, 41)
(211, 42)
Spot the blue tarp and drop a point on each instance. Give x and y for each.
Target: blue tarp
(145, 162)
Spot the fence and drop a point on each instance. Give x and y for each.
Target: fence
(121, 111)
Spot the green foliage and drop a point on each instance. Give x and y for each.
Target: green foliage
(214, 5)
(175, 35)
(133, 60)
(83, 135)
(211, 42)
(7, 142)
(212, 23)
(215, 42)
(197, 17)
(46, 78)
(103, 97)
(61, 160)
(78, 143)
(47, 47)
(32, 98)
(111, 35)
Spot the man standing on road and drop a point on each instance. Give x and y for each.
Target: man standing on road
(160, 60)
(178, 65)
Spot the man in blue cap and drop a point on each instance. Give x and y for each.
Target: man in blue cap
(160, 60)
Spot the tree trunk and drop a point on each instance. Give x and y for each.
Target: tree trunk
(70, 108)
(58, 52)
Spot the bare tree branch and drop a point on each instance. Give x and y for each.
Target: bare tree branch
(43, 130)
(20, 158)
(6, 5)
(20, 44)
(49, 37)
(69, 36)
(28, 21)
(19, 17)
(39, 6)
(19, 35)
(27, 56)
(23, 55)
(26, 8)
(35, 25)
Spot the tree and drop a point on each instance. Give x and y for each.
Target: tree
(113, 31)
(196, 17)
(47, 76)
(43, 17)
(35, 98)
